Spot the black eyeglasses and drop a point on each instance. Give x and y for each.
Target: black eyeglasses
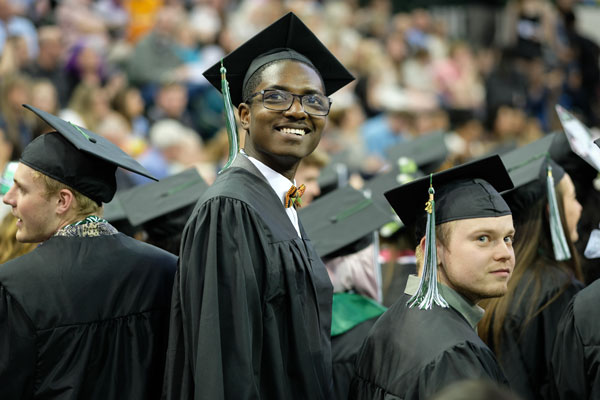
(280, 100)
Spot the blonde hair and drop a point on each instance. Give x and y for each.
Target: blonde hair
(84, 206)
(9, 247)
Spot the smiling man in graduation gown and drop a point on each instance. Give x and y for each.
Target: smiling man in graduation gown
(427, 339)
(251, 311)
(85, 314)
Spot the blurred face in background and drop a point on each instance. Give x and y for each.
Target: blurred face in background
(44, 97)
(308, 175)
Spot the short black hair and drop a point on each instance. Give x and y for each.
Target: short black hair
(256, 78)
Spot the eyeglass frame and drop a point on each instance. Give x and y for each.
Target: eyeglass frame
(299, 96)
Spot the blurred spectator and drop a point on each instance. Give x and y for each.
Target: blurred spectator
(44, 97)
(418, 72)
(308, 173)
(12, 24)
(171, 101)
(79, 21)
(85, 65)
(15, 90)
(89, 104)
(49, 62)
(530, 28)
(116, 128)
(505, 85)
(154, 58)
(7, 149)
(583, 73)
(181, 147)
(129, 103)
(397, 123)
(458, 80)
(9, 58)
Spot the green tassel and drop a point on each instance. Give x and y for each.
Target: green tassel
(428, 292)
(559, 241)
(229, 119)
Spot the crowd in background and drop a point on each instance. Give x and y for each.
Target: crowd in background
(131, 70)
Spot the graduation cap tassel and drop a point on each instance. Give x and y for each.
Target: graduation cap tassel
(428, 293)
(559, 241)
(229, 119)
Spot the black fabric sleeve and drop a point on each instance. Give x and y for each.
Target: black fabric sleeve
(17, 349)
(216, 322)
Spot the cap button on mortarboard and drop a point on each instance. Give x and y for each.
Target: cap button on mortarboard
(88, 137)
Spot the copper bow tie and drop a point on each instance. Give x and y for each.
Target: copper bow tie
(292, 197)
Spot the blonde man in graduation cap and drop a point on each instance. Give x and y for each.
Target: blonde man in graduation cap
(251, 312)
(427, 339)
(84, 315)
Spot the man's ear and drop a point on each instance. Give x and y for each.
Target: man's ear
(65, 199)
(244, 114)
(422, 245)
(440, 252)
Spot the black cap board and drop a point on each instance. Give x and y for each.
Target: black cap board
(379, 184)
(409, 160)
(79, 158)
(340, 218)
(286, 38)
(144, 203)
(428, 151)
(470, 190)
(113, 210)
(527, 167)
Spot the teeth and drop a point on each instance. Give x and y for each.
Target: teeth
(299, 132)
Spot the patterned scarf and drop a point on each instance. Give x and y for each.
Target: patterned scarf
(91, 226)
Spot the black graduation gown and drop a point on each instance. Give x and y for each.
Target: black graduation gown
(575, 362)
(412, 354)
(85, 318)
(251, 309)
(344, 349)
(525, 350)
(395, 275)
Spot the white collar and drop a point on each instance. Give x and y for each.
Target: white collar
(278, 182)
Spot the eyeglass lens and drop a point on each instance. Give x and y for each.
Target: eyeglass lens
(281, 100)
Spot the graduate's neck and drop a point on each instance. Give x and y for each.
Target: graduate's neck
(285, 165)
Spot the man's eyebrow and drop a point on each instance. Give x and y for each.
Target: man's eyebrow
(306, 91)
(510, 231)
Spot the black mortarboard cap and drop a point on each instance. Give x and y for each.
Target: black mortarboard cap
(527, 167)
(286, 38)
(162, 208)
(597, 142)
(470, 190)
(336, 173)
(535, 176)
(113, 210)
(500, 148)
(79, 158)
(383, 182)
(115, 214)
(427, 151)
(339, 219)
